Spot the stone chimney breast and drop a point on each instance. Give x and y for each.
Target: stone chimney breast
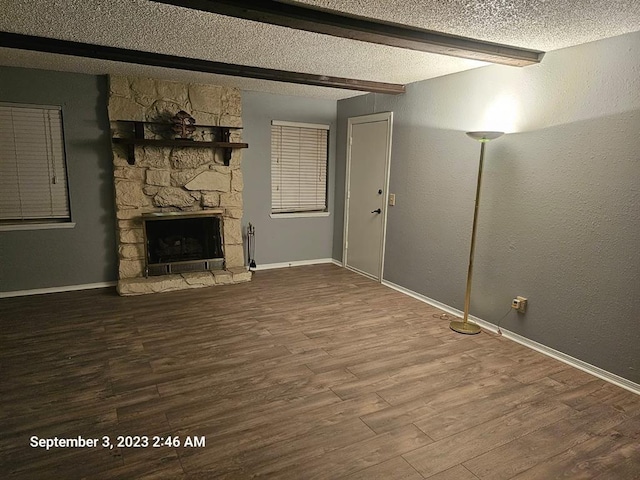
(165, 179)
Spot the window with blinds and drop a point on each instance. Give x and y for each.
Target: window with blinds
(33, 177)
(299, 155)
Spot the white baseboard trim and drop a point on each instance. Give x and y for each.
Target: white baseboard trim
(296, 263)
(66, 288)
(556, 354)
(89, 286)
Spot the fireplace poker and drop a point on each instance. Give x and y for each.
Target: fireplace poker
(251, 246)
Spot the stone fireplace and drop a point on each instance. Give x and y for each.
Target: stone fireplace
(178, 208)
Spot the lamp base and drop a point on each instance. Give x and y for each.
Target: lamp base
(465, 327)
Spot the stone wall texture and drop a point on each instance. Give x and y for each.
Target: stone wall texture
(174, 179)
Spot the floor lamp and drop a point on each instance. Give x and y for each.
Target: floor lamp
(464, 326)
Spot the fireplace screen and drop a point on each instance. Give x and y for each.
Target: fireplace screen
(177, 244)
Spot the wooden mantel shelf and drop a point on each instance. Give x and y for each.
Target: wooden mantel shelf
(178, 143)
(219, 132)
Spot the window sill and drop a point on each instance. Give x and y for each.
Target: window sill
(299, 215)
(37, 226)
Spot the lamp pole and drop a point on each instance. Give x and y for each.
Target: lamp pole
(464, 326)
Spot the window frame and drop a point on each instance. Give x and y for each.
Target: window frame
(316, 212)
(56, 160)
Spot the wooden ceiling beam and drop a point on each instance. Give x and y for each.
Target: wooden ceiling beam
(364, 29)
(78, 49)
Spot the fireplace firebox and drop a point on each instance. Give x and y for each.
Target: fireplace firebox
(179, 242)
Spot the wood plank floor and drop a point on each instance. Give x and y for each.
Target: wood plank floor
(303, 373)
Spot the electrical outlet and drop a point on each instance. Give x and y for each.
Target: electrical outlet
(519, 303)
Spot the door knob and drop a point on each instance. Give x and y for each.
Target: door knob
(377, 211)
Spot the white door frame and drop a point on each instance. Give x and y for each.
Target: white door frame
(376, 117)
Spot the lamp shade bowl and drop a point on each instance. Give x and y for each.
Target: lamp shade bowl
(485, 136)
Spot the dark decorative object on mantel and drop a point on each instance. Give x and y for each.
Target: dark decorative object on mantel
(183, 125)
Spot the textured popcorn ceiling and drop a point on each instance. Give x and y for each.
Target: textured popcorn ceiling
(149, 26)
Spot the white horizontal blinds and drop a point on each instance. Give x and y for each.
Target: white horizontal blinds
(298, 167)
(33, 181)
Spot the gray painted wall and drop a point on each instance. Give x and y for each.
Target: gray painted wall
(281, 240)
(87, 253)
(559, 218)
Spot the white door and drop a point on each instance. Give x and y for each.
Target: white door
(368, 158)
